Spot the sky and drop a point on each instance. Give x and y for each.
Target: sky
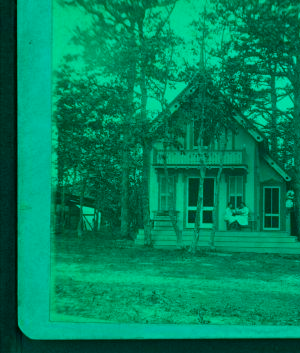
(66, 19)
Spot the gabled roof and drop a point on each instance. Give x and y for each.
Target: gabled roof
(237, 115)
(276, 166)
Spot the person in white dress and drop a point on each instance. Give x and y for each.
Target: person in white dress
(229, 217)
(242, 215)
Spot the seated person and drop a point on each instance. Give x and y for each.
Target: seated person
(242, 215)
(229, 217)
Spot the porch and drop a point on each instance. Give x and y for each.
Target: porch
(163, 236)
(258, 242)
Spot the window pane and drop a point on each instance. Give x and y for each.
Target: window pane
(268, 222)
(275, 200)
(193, 191)
(207, 217)
(222, 140)
(163, 185)
(239, 199)
(171, 186)
(208, 192)
(268, 200)
(239, 185)
(232, 201)
(196, 132)
(275, 222)
(229, 139)
(191, 216)
(171, 201)
(231, 186)
(206, 138)
(163, 203)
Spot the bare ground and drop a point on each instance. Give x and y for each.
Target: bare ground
(101, 281)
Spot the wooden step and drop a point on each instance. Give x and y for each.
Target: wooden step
(163, 234)
(272, 250)
(240, 233)
(249, 239)
(257, 244)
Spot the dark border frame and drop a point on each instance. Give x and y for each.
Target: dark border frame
(11, 340)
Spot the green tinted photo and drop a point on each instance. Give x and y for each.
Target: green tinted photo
(175, 162)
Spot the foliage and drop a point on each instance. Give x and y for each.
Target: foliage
(89, 142)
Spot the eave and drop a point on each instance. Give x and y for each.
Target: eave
(273, 164)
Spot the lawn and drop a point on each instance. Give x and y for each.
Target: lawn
(103, 281)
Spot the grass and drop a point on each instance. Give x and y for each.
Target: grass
(103, 281)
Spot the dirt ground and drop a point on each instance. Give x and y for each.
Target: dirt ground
(105, 281)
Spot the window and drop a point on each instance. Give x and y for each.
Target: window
(271, 207)
(167, 193)
(236, 190)
(205, 138)
(225, 140)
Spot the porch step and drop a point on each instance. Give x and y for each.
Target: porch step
(260, 242)
(262, 250)
(238, 237)
(161, 224)
(242, 233)
(232, 244)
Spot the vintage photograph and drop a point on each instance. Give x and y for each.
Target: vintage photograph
(175, 162)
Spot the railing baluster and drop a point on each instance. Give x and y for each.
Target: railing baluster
(194, 157)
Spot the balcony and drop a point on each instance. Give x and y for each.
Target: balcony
(192, 158)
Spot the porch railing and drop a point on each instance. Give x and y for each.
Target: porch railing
(193, 157)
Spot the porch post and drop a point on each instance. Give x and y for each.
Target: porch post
(288, 222)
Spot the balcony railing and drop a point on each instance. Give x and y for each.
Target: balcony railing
(194, 158)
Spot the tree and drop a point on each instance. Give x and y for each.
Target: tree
(265, 35)
(128, 41)
(212, 121)
(88, 146)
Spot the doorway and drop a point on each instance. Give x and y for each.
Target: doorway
(271, 208)
(208, 201)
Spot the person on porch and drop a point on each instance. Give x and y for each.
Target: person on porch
(229, 218)
(242, 215)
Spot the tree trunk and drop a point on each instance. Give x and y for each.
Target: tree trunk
(125, 153)
(296, 131)
(145, 141)
(196, 236)
(63, 208)
(145, 194)
(80, 222)
(216, 195)
(273, 124)
(96, 217)
(171, 206)
(214, 212)
(125, 188)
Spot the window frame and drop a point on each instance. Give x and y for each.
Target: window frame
(166, 193)
(194, 146)
(194, 208)
(278, 215)
(236, 194)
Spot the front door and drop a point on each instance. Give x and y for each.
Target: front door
(208, 202)
(271, 202)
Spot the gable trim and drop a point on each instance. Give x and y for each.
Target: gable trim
(241, 121)
(238, 117)
(276, 167)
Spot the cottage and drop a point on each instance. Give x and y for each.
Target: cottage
(249, 174)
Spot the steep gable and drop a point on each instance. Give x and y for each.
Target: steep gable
(237, 116)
